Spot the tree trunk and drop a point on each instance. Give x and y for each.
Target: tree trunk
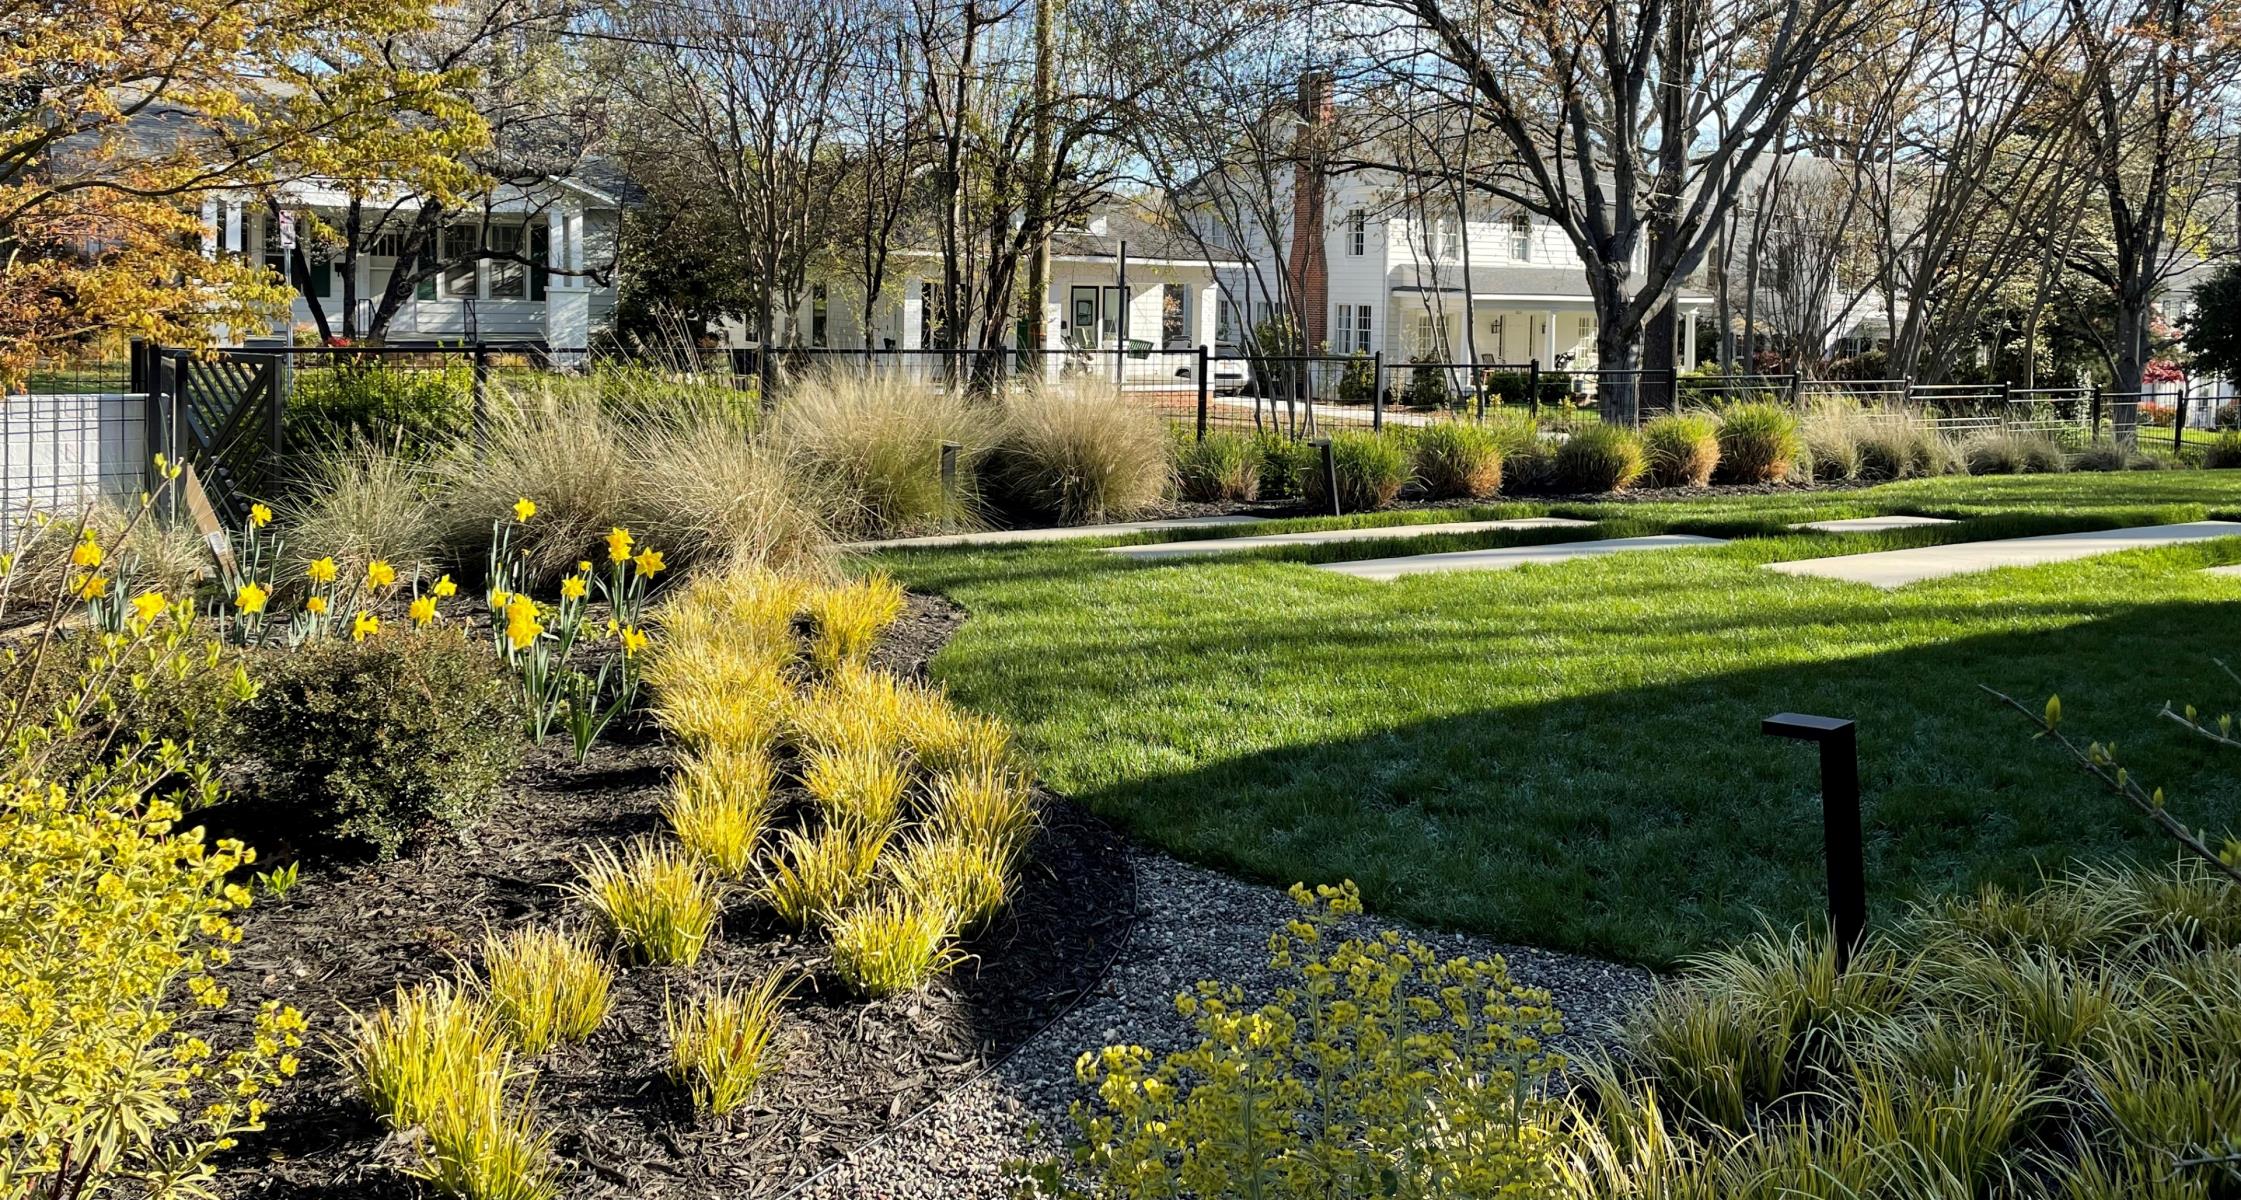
(1618, 354)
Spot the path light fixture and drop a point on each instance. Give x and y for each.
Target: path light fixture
(1840, 821)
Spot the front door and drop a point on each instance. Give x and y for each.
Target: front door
(1082, 331)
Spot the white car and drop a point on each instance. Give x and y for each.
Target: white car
(1227, 370)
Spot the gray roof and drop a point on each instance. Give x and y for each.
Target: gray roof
(1145, 239)
(1564, 282)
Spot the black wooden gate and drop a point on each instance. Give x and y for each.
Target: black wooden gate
(219, 413)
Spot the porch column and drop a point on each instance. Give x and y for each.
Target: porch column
(556, 249)
(576, 239)
(1549, 334)
(1688, 340)
(210, 227)
(233, 226)
(567, 301)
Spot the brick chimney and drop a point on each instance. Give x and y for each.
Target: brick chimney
(1308, 266)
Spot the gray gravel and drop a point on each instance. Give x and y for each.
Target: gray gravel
(1192, 924)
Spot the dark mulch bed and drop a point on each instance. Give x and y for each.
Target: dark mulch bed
(350, 933)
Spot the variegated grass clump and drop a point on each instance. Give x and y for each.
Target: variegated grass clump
(656, 902)
(719, 806)
(431, 1043)
(859, 787)
(993, 806)
(809, 881)
(893, 944)
(852, 710)
(845, 620)
(944, 738)
(479, 1147)
(721, 1041)
(972, 879)
(548, 986)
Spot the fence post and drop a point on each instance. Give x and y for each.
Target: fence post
(2179, 423)
(1205, 388)
(1478, 391)
(1533, 388)
(482, 394)
(1330, 474)
(1377, 391)
(2093, 429)
(1840, 822)
(281, 386)
(949, 470)
(1796, 388)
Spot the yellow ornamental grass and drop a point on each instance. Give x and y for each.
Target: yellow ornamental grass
(111, 923)
(433, 1045)
(970, 879)
(719, 805)
(480, 1147)
(846, 620)
(854, 710)
(547, 985)
(656, 902)
(992, 807)
(861, 787)
(811, 880)
(893, 945)
(721, 1042)
(744, 714)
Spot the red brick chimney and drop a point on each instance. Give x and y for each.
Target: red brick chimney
(1308, 267)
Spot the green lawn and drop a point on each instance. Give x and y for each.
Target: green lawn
(1569, 755)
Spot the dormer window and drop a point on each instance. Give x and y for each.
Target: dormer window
(1521, 237)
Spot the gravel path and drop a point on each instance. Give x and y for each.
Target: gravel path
(1193, 924)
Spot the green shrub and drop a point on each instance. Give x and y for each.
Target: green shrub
(413, 411)
(1758, 443)
(370, 741)
(1354, 1078)
(1282, 464)
(1225, 466)
(2012, 452)
(1682, 450)
(1371, 470)
(1458, 461)
(2223, 453)
(1357, 384)
(1428, 387)
(1599, 458)
(1079, 454)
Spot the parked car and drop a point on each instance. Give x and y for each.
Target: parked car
(1227, 371)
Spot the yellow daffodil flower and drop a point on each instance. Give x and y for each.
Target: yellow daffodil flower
(316, 606)
(87, 553)
(445, 588)
(251, 599)
(524, 509)
(148, 605)
(649, 563)
(618, 544)
(498, 598)
(422, 610)
(259, 516)
(364, 626)
(380, 574)
(522, 629)
(94, 588)
(632, 641)
(572, 588)
(321, 570)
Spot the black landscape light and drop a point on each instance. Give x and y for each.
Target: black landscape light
(1840, 821)
(1330, 473)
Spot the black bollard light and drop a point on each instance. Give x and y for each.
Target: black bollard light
(1840, 821)
(1330, 473)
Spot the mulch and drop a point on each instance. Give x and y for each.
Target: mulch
(351, 932)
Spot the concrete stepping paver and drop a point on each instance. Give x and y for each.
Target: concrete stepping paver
(1870, 524)
(1005, 537)
(1502, 559)
(1897, 568)
(2233, 570)
(1317, 537)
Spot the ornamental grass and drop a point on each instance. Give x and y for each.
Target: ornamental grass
(548, 986)
(433, 1045)
(972, 879)
(719, 806)
(855, 786)
(809, 880)
(894, 944)
(855, 710)
(845, 620)
(989, 805)
(481, 1147)
(656, 902)
(722, 1041)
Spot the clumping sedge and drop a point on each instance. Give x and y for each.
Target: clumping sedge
(893, 945)
(721, 1041)
(547, 985)
(656, 902)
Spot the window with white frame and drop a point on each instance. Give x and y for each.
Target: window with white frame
(509, 274)
(820, 313)
(1357, 233)
(1521, 237)
(1447, 239)
(1428, 340)
(459, 271)
(1353, 329)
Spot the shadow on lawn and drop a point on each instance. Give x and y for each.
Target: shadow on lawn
(1651, 821)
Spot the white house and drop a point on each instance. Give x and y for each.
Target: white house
(530, 263)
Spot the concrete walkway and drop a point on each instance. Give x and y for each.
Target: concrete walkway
(1317, 537)
(1382, 569)
(1870, 524)
(1897, 568)
(1006, 537)
(2233, 572)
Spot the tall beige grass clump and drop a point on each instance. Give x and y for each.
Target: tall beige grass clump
(1080, 453)
(568, 455)
(874, 441)
(361, 502)
(717, 494)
